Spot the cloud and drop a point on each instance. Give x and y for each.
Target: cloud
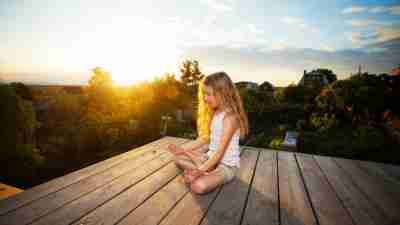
(360, 38)
(367, 22)
(219, 5)
(388, 32)
(293, 20)
(381, 32)
(354, 9)
(378, 9)
(281, 66)
(395, 10)
(254, 29)
(328, 48)
(297, 21)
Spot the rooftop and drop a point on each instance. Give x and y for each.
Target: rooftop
(143, 186)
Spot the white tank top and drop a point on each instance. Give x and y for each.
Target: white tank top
(232, 153)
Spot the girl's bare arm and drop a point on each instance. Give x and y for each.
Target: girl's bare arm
(230, 125)
(198, 144)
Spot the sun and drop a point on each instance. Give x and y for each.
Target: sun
(136, 54)
(145, 63)
(131, 69)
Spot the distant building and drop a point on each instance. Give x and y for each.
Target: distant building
(266, 87)
(73, 89)
(316, 77)
(40, 105)
(247, 85)
(396, 71)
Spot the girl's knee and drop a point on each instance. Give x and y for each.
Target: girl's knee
(199, 187)
(176, 158)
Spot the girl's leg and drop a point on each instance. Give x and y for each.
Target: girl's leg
(208, 182)
(184, 162)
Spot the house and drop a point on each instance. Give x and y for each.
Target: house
(319, 76)
(247, 85)
(41, 105)
(8, 191)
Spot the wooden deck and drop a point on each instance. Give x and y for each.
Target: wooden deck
(143, 186)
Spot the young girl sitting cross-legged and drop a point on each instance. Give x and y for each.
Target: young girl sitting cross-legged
(214, 158)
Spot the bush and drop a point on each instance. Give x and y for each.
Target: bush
(365, 143)
(276, 143)
(20, 167)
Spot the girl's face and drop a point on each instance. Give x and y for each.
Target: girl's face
(210, 97)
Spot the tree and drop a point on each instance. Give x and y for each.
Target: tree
(190, 72)
(22, 90)
(190, 76)
(329, 74)
(266, 86)
(20, 158)
(100, 92)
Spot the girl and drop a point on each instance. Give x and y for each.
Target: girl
(221, 122)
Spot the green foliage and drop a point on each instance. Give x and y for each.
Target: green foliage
(190, 76)
(8, 112)
(66, 109)
(100, 92)
(367, 137)
(23, 91)
(266, 86)
(298, 94)
(20, 159)
(365, 142)
(190, 72)
(21, 166)
(359, 99)
(276, 143)
(255, 100)
(323, 121)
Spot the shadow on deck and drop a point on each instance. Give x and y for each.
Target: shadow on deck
(143, 186)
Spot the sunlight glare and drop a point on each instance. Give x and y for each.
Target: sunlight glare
(132, 51)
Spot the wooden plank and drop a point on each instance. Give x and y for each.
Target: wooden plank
(391, 185)
(262, 205)
(295, 207)
(230, 203)
(39, 191)
(328, 207)
(78, 208)
(43, 206)
(380, 171)
(358, 205)
(373, 188)
(191, 209)
(114, 210)
(393, 171)
(85, 204)
(153, 210)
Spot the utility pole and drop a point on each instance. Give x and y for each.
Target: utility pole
(164, 123)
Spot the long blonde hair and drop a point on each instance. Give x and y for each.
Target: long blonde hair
(225, 90)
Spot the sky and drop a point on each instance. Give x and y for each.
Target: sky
(59, 42)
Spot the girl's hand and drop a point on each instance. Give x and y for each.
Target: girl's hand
(192, 175)
(194, 156)
(176, 150)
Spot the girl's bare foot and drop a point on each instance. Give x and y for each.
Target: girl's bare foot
(174, 149)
